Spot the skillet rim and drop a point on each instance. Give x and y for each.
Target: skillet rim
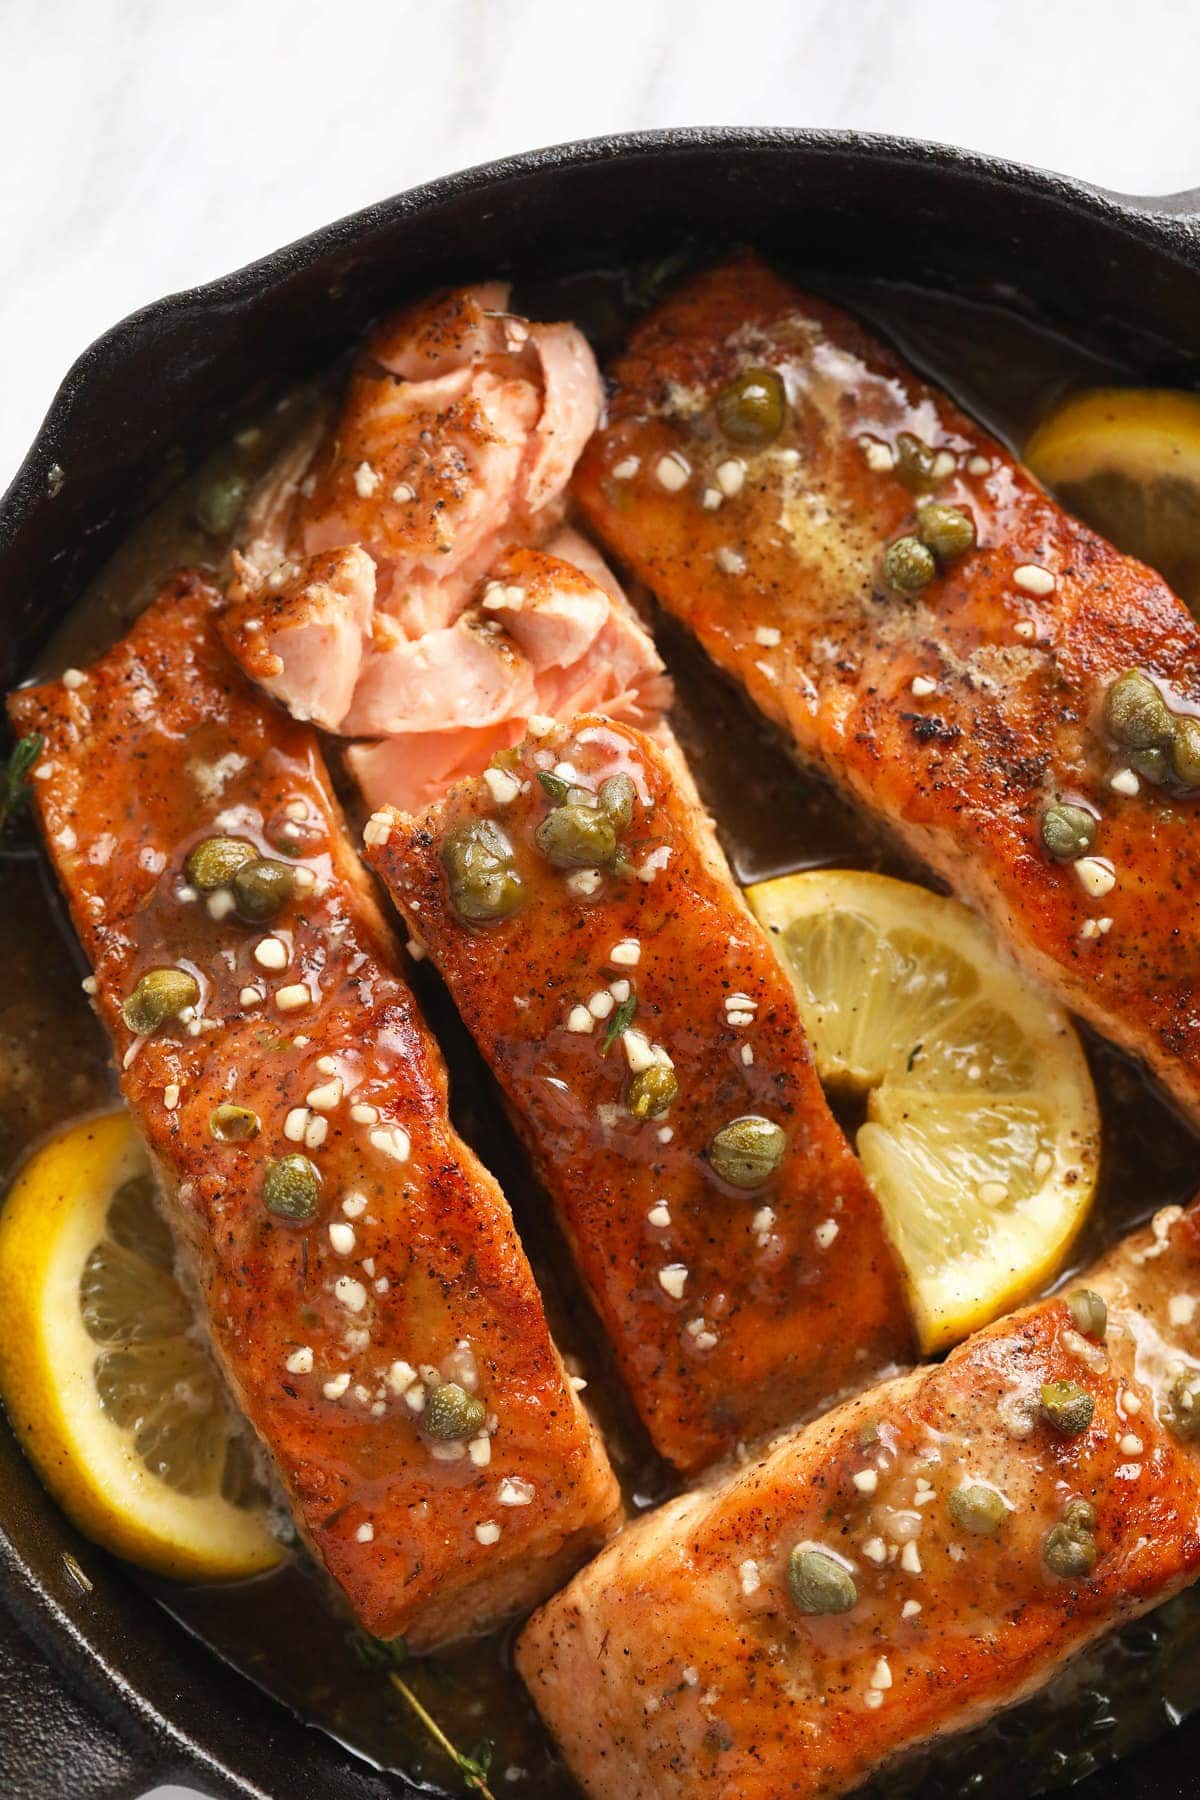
(1173, 220)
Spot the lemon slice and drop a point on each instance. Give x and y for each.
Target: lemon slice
(111, 1393)
(982, 1132)
(1127, 461)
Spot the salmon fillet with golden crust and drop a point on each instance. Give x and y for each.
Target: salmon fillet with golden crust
(972, 1544)
(733, 1309)
(959, 713)
(337, 1328)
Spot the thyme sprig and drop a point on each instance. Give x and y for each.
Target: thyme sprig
(475, 1767)
(388, 1656)
(620, 1022)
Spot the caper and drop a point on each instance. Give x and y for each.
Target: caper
(215, 861)
(577, 837)
(484, 884)
(1079, 1515)
(1069, 1553)
(748, 1151)
(1151, 765)
(262, 888)
(218, 504)
(1136, 713)
(1089, 1313)
(751, 409)
(977, 1508)
(1067, 1407)
(161, 994)
(617, 796)
(914, 463)
(233, 1124)
(908, 565)
(946, 530)
(1182, 1411)
(290, 1188)
(1070, 1546)
(652, 1091)
(1185, 752)
(818, 1583)
(1067, 831)
(450, 1412)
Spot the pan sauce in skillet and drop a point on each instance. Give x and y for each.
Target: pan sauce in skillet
(285, 1630)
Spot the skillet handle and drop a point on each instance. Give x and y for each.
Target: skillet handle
(53, 1746)
(1182, 208)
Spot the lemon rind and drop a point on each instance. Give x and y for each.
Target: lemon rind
(51, 1219)
(972, 1289)
(1145, 433)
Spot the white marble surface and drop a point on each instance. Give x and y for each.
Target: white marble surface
(148, 146)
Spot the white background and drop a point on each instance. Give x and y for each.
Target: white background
(147, 145)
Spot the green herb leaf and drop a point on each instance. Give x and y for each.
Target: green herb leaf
(475, 1767)
(555, 786)
(378, 1653)
(620, 1022)
(650, 277)
(388, 1654)
(479, 1762)
(14, 788)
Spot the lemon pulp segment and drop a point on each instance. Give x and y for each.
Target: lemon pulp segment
(110, 1390)
(982, 1133)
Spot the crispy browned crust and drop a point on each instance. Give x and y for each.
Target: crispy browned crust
(133, 778)
(963, 771)
(676, 1667)
(775, 1316)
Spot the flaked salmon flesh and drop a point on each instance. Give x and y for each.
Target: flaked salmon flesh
(404, 575)
(545, 639)
(732, 1311)
(456, 437)
(334, 1331)
(959, 714)
(681, 1664)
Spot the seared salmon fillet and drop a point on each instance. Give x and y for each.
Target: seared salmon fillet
(641, 1027)
(921, 1557)
(354, 1258)
(403, 575)
(772, 470)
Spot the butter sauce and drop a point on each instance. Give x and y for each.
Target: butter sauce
(285, 1631)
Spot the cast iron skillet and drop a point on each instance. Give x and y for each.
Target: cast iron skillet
(102, 1695)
